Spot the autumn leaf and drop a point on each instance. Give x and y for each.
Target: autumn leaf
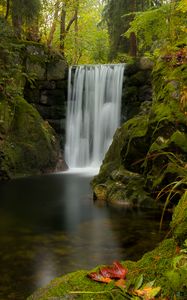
(98, 277)
(117, 271)
(120, 283)
(147, 293)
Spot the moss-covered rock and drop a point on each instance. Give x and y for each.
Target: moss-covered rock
(152, 144)
(179, 220)
(124, 188)
(163, 265)
(28, 143)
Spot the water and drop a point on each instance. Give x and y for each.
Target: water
(49, 226)
(93, 113)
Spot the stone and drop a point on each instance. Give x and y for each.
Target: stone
(57, 70)
(179, 220)
(35, 70)
(51, 112)
(146, 63)
(58, 125)
(52, 97)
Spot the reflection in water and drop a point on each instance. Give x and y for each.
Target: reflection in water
(49, 226)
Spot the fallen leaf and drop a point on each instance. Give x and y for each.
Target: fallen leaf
(118, 271)
(120, 283)
(147, 293)
(105, 272)
(98, 277)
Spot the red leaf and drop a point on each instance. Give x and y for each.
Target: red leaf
(105, 272)
(98, 277)
(118, 271)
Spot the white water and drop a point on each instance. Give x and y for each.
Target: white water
(93, 113)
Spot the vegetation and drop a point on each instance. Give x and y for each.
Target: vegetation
(72, 27)
(147, 159)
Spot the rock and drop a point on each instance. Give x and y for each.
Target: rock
(154, 266)
(35, 70)
(179, 220)
(46, 87)
(57, 70)
(150, 145)
(146, 64)
(31, 145)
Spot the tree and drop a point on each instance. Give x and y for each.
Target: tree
(118, 15)
(23, 14)
(72, 26)
(160, 27)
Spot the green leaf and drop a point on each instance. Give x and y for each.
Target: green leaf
(149, 284)
(138, 282)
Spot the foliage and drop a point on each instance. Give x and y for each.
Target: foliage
(120, 286)
(26, 8)
(88, 44)
(118, 15)
(160, 27)
(11, 70)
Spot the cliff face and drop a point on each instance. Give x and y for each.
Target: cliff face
(28, 144)
(46, 85)
(149, 151)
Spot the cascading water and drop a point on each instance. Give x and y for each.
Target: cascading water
(93, 113)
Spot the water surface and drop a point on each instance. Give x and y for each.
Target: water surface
(49, 226)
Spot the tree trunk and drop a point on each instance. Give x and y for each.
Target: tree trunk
(17, 24)
(76, 33)
(53, 26)
(133, 41)
(133, 45)
(62, 27)
(7, 9)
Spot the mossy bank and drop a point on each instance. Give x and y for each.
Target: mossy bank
(28, 144)
(165, 267)
(149, 152)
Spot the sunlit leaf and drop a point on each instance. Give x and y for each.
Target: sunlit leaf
(147, 293)
(98, 277)
(120, 283)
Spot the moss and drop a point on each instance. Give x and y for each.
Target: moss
(156, 265)
(112, 159)
(29, 144)
(179, 220)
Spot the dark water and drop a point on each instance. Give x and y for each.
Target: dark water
(49, 226)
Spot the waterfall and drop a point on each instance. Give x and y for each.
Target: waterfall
(93, 113)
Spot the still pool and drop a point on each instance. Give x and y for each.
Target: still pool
(49, 225)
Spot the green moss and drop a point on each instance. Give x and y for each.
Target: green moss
(179, 139)
(29, 144)
(156, 266)
(179, 220)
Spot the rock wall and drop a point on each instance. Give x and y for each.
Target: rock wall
(149, 152)
(46, 86)
(28, 144)
(137, 87)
